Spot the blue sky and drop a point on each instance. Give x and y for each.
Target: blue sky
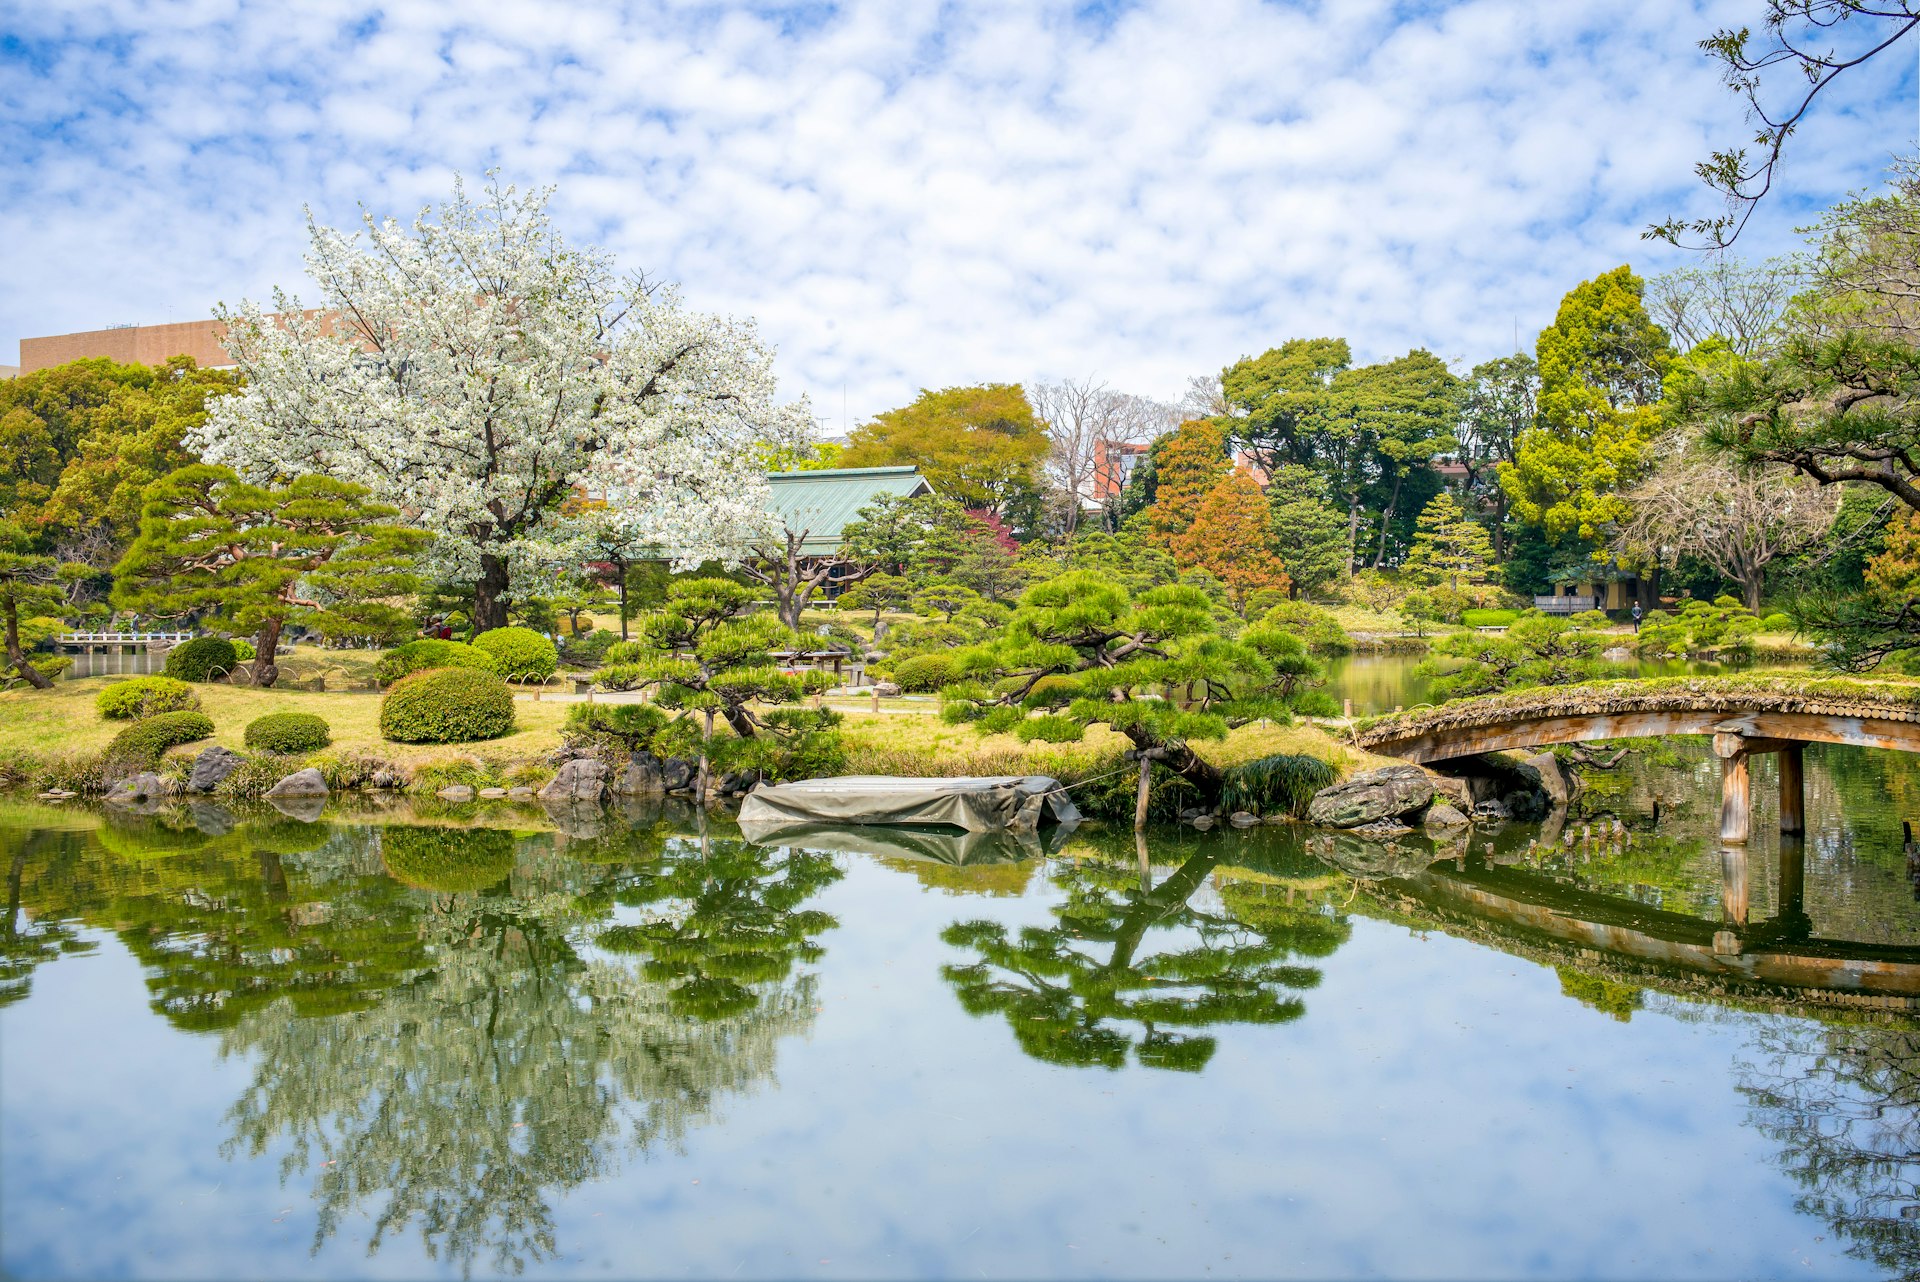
(912, 193)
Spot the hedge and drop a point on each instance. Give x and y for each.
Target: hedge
(449, 860)
(145, 740)
(288, 732)
(418, 656)
(201, 659)
(519, 654)
(923, 673)
(447, 705)
(145, 697)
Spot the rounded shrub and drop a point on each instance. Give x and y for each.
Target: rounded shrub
(1777, 623)
(145, 697)
(201, 659)
(447, 705)
(519, 654)
(146, 740)
(418, 656)
(288, 732)
(923, 673)
(243, 650)
(450, 860)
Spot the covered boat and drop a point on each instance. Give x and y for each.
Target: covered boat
(1011, 803)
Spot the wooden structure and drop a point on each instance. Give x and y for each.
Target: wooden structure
(1744, 721)
(124, 642)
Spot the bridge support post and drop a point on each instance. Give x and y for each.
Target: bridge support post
(1736, 788)
(1733, 885)
(1793, 789)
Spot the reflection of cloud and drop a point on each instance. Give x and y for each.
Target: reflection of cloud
(1421, 1119)
(912, 193)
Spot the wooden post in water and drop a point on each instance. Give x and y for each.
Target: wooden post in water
(1736, 788)
(1793, 881)
(1793, 788)
(1733, 884)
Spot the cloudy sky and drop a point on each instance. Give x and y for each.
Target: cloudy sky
(908, 193)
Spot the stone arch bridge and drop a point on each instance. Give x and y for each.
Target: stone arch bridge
(1745, 717)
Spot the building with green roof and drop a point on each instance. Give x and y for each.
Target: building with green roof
(819, 505)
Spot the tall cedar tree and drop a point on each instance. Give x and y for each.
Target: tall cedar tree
(1449, 545)
(315, 552)
(1083, 652)
(1188, 464)
(1232, 538)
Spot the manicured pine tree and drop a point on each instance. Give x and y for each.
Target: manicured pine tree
(314, 552)
(1449, 545)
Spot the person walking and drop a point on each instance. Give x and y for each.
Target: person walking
(1636, 616)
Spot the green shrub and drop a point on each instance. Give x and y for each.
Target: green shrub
(447, 705)
(621, 676)
(243, 650)
(1777, 623)
(146, 740)
(145, 697)
(923, 673)
(418, 656)
(449, 860)
(625, 652)
(1313, 625)
(288, 732)
(1488, 618)
(201, 659)
(519, 654)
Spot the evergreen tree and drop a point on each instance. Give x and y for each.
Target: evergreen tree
(1450, 545)
(314, 552)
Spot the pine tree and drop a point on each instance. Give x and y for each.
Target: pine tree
(1449, 545)
(314, 552)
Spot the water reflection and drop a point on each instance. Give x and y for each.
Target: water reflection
(1134, 966)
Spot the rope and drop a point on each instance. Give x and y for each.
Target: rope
(1127, 770)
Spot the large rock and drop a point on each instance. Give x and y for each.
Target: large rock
(1457, 791)
(1388, 793)
(1443, 816)
(677, 774)
(583, 780)
(211, 766)
(145, 786)
(456, 793)
(301, 783)
(641, 778)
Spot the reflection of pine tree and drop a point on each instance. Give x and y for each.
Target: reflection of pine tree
(26, 943)
(727, 915)
(1844, 1105)
(1066, 989)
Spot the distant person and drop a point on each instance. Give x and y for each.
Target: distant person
(1636, 616)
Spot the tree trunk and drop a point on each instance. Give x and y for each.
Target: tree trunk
(1209, 779)
(737, 720)
(1140, 806)
(490, 594)
(1386, 519)
(1353, 530)
(706, 769)
(789, 594)
(1649, 594)
(621, 568)
(1500, 528)
(17, 657)
(1752, 585)
(266, 649)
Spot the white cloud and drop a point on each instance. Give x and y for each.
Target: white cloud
(1016, 194)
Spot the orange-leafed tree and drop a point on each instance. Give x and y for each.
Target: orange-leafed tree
(1189, 464)
(1231, 537)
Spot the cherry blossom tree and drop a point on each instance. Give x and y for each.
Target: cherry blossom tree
(476, 371)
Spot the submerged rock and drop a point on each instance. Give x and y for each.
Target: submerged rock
(1243, 819)
(641, 778)
(677, 774)
(1388, 793)
(455, 792)
(491, 794)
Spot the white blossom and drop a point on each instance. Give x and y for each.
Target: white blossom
(476, 371)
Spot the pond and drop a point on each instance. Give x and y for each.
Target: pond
(470, 1041)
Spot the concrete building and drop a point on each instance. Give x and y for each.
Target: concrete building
(128, 344)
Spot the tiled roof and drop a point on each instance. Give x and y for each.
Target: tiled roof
(821, 503)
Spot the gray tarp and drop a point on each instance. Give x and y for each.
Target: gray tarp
(1015, 803)
(942, 846)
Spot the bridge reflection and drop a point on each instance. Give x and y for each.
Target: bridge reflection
(1778, 959)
